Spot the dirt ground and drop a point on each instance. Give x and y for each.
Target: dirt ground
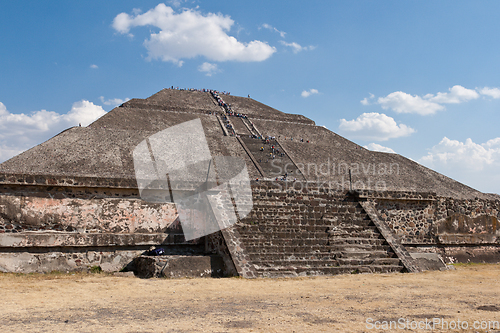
(346, 303)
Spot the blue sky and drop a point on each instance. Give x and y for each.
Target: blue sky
(417, 78)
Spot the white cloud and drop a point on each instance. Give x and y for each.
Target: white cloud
(296, 47)
(306, 93)
(189, 34)
(94, 66)
(376, 147)
(493, 143)
(176, 3)
(457, 94)
(402, 102)
(208, 68)
(114, 101)
(82, 112)
(269, 27)
(492, 92)
(465, 155)
(475, 164)
(7, 152)
(366, 100)
(137, 11)
(374, 126)
(19, 132)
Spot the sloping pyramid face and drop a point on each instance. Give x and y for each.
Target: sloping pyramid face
(305, 152)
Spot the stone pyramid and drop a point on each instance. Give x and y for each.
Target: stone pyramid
(321, 203)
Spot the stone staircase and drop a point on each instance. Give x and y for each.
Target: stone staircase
(272, 168)
(239, 126)
(251, 127)
(341, 240)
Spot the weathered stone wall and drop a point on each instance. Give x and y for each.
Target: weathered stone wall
(71, 226)
(411, 220)
(70, 183)
(82, 210)
(427, 219)
(302, 227)
(467, 221)
(67, 259)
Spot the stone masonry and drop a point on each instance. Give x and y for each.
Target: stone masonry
(321, 203)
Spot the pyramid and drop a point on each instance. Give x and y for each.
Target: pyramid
(321, 204)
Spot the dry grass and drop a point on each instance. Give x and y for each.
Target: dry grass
(105, 303)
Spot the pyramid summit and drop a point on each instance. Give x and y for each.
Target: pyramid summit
(321, 204)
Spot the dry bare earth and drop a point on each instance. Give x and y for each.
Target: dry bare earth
(104, 303)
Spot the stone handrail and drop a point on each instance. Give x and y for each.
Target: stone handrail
(403, 255)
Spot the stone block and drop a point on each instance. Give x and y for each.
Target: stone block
(178, 266)
(428, 261)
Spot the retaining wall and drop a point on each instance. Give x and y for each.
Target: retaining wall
(70, 227)
(74, 227)
(461, 230)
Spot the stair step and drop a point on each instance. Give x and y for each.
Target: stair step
(238, 125)
(336, 237)
(327, 262)
(355, 253)
(288, 227)
(270, 199)
(302, 271)
(325, 240)
(358, 240)
(270, 166)
(388, 261)
(348, 253)
(312, 245)
(303, 234)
